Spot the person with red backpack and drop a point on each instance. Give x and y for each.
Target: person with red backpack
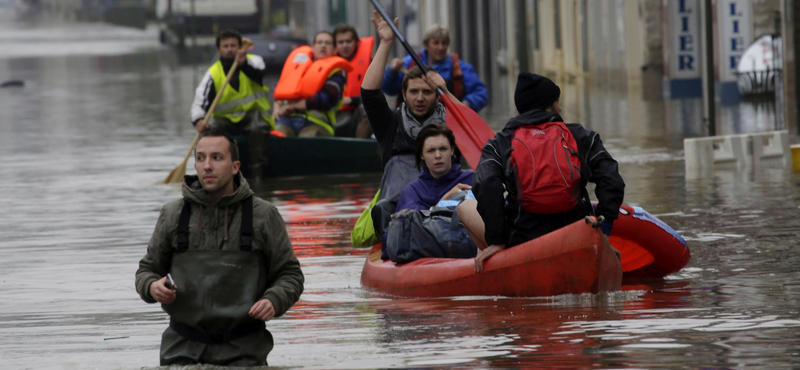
(544, 165)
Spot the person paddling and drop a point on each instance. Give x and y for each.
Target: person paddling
(396, 130)
(543, 165)
(243, 110)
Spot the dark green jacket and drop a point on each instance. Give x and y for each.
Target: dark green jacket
(220, 224)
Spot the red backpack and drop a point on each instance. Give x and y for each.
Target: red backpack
(547, 168)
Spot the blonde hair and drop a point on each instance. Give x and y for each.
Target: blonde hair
(436, 31)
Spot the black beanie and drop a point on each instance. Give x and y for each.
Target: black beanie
(535, 92)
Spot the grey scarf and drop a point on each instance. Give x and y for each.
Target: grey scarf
(412, 126)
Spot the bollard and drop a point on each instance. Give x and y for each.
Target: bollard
(796, 157)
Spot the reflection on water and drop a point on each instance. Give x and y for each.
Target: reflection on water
(87, 141)
(319, 219)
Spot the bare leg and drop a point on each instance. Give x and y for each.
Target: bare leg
(286, 130)
(313, 130)
(469, 216)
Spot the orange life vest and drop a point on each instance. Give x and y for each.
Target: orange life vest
(360, 63)
(302, 77)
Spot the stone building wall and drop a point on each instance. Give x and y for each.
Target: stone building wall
(764, 17)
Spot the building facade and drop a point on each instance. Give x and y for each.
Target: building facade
(653, 46)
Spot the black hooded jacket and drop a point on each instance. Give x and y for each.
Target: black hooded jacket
(494, 176)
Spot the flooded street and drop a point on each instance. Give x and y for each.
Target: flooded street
(103, 118)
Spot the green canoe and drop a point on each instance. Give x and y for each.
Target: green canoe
(321, 156)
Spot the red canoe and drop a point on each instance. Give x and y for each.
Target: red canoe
(571, 260)
(649, 247)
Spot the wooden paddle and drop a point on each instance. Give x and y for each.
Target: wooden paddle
(177, 174)
(470, 130)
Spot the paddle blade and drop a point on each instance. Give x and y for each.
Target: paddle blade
(470, 130)
(247, 44)
(177, 174)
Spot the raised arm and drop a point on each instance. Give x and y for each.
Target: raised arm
(374, 76)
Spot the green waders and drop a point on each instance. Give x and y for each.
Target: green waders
(209, 320)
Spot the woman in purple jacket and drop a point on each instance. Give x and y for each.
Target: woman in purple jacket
(440, 178)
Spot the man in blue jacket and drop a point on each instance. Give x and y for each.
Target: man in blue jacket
(459, 75)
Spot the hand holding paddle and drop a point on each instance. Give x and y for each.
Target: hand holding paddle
(470, 130)
(178, 172)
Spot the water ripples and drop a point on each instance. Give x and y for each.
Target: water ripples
(87, 142)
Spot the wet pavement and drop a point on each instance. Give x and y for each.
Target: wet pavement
(103, 118)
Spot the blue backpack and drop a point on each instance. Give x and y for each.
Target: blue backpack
(436, 233)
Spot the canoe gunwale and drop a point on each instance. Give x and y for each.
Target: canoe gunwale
(575, 259)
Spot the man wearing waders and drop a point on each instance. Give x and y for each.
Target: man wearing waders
(231, 265)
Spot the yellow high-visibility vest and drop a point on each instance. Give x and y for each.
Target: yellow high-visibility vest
(234, 105)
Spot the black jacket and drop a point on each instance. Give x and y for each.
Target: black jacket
(493, 177)
(384, 122)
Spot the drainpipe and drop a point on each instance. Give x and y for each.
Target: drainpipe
(707, 35)
(789, 73)
(512, 7)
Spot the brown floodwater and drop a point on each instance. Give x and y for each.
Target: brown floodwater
(103, 117)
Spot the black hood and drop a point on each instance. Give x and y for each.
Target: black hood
(532, 117)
